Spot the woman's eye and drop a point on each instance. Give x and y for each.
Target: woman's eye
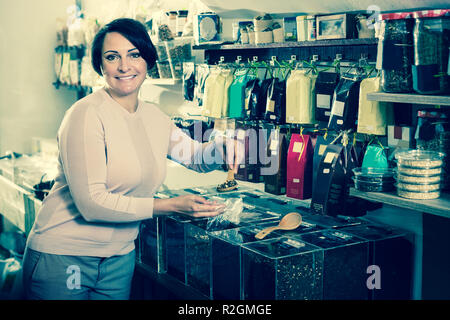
(135, 55)
(111, 57)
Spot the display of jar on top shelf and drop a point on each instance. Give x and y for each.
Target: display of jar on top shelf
(431, 52)
(171, 55)
(419, 164)
(395, 52)
(433, 134)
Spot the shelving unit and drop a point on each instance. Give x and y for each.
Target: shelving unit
(409, 98)
(164, 82)
(439, 207)
(350, 49)
(435, 213)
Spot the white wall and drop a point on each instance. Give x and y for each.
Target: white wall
(29, 104)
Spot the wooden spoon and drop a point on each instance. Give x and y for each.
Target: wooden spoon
(290, 221)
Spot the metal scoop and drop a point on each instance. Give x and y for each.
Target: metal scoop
(290, 221)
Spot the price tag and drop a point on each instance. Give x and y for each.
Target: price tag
(329, 157)
(298, 146)
(322, 149)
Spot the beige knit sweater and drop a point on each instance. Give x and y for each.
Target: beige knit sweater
(110, 164)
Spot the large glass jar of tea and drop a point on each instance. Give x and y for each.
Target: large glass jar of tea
(431, 41)
(395, 52)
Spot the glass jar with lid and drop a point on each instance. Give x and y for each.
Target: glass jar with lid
(431, 40)
(395, 52)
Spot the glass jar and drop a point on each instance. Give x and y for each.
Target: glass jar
(431, 40)
(395, 52)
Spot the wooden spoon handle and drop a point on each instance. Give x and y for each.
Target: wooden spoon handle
(264, 232)
(230, 175)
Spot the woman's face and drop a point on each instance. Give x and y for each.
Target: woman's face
(123, 67)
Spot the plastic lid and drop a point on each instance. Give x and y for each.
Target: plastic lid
(417, 155)
(396, 15)
(431, 13)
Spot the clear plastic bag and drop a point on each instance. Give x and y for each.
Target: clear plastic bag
(231, 215)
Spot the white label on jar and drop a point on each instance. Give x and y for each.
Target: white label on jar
(323, 101)
(340, 121)
(242, 166)
(326, 171)
(338, 108)
(272, 117)
(295, 180)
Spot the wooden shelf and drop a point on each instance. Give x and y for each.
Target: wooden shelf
(289, 44)
(439, 207)
(409, 98)
(166, 82)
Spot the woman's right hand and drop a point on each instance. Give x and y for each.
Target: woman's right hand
(191, 205)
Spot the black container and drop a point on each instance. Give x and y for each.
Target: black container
(198, 251)
(152, 249)
(345, 258)
(391, 250)
(282, 269)
(226, 259)
(175, 230)
(395, 52)
(431, 43)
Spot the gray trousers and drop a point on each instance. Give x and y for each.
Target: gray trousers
(63, 277)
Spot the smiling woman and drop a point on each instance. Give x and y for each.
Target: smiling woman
(122, 53)
(112, 159)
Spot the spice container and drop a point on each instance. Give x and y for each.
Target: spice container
(198, 253)
(419, 187)
(418, 179)
(151, 244)
(395, 52)
(391, 250)
(164, 69)
(431, 40)
(418, 195)
(302, 28)
(419, 159)
(368, 186)
(312, 30)
(226, 258)
(374, 179)
(181, 21)
(345, 259)
(282, 269)
(421, 164)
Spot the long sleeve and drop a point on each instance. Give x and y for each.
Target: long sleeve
(84, 158)
(201, 157)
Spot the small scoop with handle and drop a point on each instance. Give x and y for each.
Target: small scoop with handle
(290, 221)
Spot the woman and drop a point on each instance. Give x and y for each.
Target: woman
(112, 158)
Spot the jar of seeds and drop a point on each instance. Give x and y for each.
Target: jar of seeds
(431, 40)
(395, 52)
